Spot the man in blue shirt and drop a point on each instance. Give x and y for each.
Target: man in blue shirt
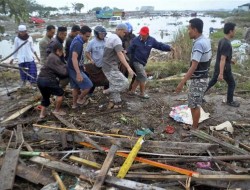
(139, 50)
(78, 79)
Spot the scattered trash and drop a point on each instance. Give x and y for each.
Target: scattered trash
(143, 132)
(223, 126)
(170, 129)
(203, 165)
(182, 114)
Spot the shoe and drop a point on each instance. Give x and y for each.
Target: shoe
(145, 96)
(233, 104)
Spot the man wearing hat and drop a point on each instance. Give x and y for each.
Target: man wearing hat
(113, 54)
(24, 55)
(139, 50)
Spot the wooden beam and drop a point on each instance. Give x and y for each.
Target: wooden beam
(19, 135)
(87, 139)
(225, 145)
(8, 170)
(105, 167)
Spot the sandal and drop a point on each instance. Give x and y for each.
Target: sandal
(81, 101)
(61, 113)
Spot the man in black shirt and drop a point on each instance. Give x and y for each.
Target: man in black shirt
(75, 30)
(222, 69)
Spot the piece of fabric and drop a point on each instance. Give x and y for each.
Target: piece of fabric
(85, 84)
(182, 113)
(30, 68)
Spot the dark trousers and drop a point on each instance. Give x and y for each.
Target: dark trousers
(228, 77)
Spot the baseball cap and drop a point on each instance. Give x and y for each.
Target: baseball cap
(144, 31)
(22, 28)
(122, 26)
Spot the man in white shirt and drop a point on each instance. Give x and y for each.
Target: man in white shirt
(28, 70)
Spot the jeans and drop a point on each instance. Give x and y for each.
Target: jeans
(228, 77)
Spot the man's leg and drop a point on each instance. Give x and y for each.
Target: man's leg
(59, 100)
(213, 81)
(75, 97)
(134, 85)
(195, 116)
(142, 88)
(32, 72)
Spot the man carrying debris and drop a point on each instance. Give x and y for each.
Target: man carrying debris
(79, 81)
(222, 69)
(48, 82)
(94, 53)
(198, 71)
(113, 54)
(140, 49)
(75, 30)
(43, 44)
(24, 55)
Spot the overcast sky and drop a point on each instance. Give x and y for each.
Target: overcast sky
(158, 4)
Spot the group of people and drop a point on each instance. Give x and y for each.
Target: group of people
(112, 59)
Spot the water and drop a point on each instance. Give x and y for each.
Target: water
(158, 26)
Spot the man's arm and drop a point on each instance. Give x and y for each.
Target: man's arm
(88, 55)
(222, 66)
(187, 76)
(125, 63)
(79, 77)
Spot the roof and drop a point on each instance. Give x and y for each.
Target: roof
(245, 5)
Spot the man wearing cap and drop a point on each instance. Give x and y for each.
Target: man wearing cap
(113, 54)
(24, 55)
(139, 50)
(43, 44)
(75, 30)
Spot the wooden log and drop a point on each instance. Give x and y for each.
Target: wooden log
(8, 170)
(225, 145)
(105, 167)
(90, 176)
(70, 125)
(19, 135)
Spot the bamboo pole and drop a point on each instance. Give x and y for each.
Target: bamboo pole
(58, 180)
(85, 162)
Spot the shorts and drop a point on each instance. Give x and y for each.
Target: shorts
(196, 92)
(141, 75)
(85, 84)
(48, 88)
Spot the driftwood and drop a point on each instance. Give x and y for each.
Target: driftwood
(225, 145)
(8, 170)
(85, 137)
(105, 167)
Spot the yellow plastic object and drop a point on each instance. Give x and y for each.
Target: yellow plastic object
(85, 162)
(130, 159)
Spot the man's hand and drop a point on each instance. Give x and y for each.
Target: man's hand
(131, 72)
(233, 62)
(179, 87)
(79, 77)
(220, 77)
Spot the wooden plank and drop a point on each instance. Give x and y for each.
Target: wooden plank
(183, 177)
(8, 170)
(19, 135)
(105, 167)
(32, 175)
(87, 139)
(85, 162)
(90, 176)
(225, 145)
(129, 185)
